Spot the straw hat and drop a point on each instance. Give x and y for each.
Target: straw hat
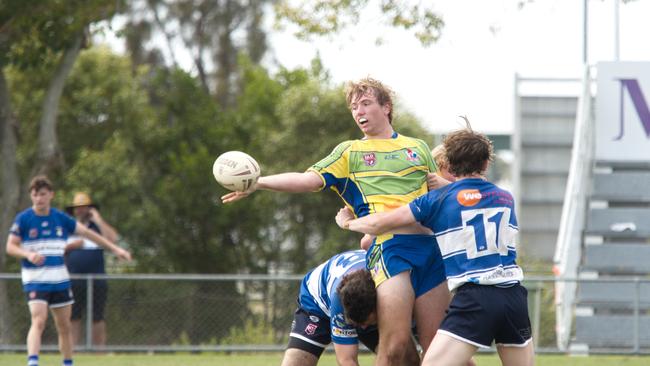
(80, 199)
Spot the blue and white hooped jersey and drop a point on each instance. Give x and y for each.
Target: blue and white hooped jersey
(48, 236)
(318, 292)
(476, 228)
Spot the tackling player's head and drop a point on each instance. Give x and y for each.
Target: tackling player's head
(359, 297)
(370, 87)
(468, 152)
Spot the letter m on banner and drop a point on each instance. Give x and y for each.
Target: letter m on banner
(640, 105)
(623, 112)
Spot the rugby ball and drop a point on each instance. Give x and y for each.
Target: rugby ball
(236, 171)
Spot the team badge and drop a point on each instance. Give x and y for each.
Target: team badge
(44, 224)
(370, 159)
(412, 155)
(32, 295)
(311, 329)
(59, 231)
(469, 197)
(33, 233)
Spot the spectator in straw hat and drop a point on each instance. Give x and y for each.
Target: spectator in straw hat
(89, 258)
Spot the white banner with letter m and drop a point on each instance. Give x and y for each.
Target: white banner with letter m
(622, 112)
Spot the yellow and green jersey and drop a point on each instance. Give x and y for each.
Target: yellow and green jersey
(377, 175)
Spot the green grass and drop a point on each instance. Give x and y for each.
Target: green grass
(265, 359)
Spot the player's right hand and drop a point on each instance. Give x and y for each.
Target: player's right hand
(235, 196)
(123, 254)
(343, 216)
(36, 258)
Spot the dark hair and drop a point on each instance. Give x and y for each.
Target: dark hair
(467, 151)
(370, 86)
(40, 181)
(358, 296)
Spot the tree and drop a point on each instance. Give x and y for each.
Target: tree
(214, 33)
(34, 35)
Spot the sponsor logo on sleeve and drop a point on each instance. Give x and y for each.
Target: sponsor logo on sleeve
(314, 318)
(344, 333)
(469, 197)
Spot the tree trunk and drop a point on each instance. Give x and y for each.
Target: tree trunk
(9, 193)
(50, 158)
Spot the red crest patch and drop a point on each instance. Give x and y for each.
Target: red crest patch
(370, 159)
(311, 329)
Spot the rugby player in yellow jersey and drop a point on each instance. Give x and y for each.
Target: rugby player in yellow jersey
(383, 171)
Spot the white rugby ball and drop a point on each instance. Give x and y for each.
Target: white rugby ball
(236, 171)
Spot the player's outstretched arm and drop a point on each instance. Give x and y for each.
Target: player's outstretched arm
(377, 223)
(285, 182)
(90, 234)
(434, 181)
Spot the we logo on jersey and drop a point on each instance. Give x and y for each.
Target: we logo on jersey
(469, 197)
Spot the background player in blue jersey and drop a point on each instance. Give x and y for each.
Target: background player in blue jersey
(320, 318)
(475, 225)
(38, 236)
(380, 172)
(89, 258)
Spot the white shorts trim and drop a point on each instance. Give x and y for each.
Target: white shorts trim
(296, 335)
(62, 304)
(518, 345)
(455, 336)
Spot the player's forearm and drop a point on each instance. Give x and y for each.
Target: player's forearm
(371, 224)
(107, 230)
(291, 182)
(100, 240)
(16, 251)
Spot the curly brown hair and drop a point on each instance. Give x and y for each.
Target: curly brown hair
(358, 296)
(370, 86)
(468, 151)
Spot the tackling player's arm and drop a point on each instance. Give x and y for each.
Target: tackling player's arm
(347, 354)
(308, 181)
(14, 249)
(92, 235)
(377, 223)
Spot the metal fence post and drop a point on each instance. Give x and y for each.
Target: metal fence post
(637, 300)
(89, 312)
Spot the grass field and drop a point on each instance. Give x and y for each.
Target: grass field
(259, 359)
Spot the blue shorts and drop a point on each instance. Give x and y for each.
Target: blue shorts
(393, 254)
(481, 314)
(54, 299)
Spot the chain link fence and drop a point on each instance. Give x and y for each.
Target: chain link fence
(167, 313)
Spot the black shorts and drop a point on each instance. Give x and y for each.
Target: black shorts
(100, 293)
(481, 314)
(312, 333)
(54, 299)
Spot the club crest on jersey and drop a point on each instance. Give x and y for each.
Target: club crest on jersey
(59, 231)
(311, 329)
(469, 197)
(412, 155)
(370, 159)
(33, 233)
